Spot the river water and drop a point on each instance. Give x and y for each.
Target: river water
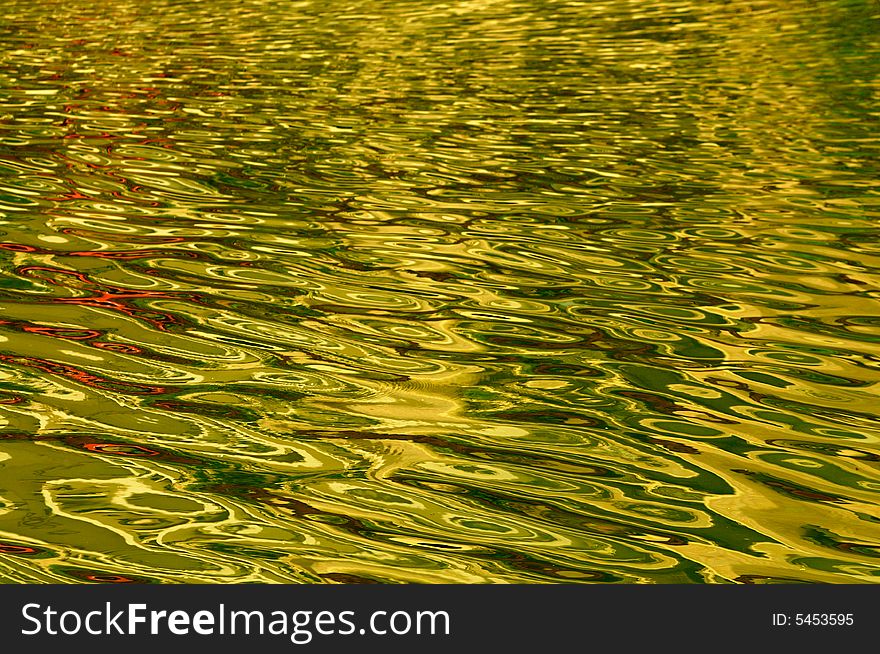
(466, 291)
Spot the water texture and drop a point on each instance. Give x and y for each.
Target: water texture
(470, 291)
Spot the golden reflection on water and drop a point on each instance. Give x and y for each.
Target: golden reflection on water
(534, 291)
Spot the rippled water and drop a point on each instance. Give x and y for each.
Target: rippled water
(477, 291)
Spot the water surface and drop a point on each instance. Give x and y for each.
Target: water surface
(476, 291)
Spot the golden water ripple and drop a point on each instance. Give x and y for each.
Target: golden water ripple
(472, 292)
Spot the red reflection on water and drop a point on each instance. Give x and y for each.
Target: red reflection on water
(61, 332)
(69, 334)
(20, 247)
(122, 348)
(73, 195)
(83, 377)
(136, 254)
(6, 548)
(110, 579)
(103, 577)
(120, 449)
(90, 444)
(113, 298)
